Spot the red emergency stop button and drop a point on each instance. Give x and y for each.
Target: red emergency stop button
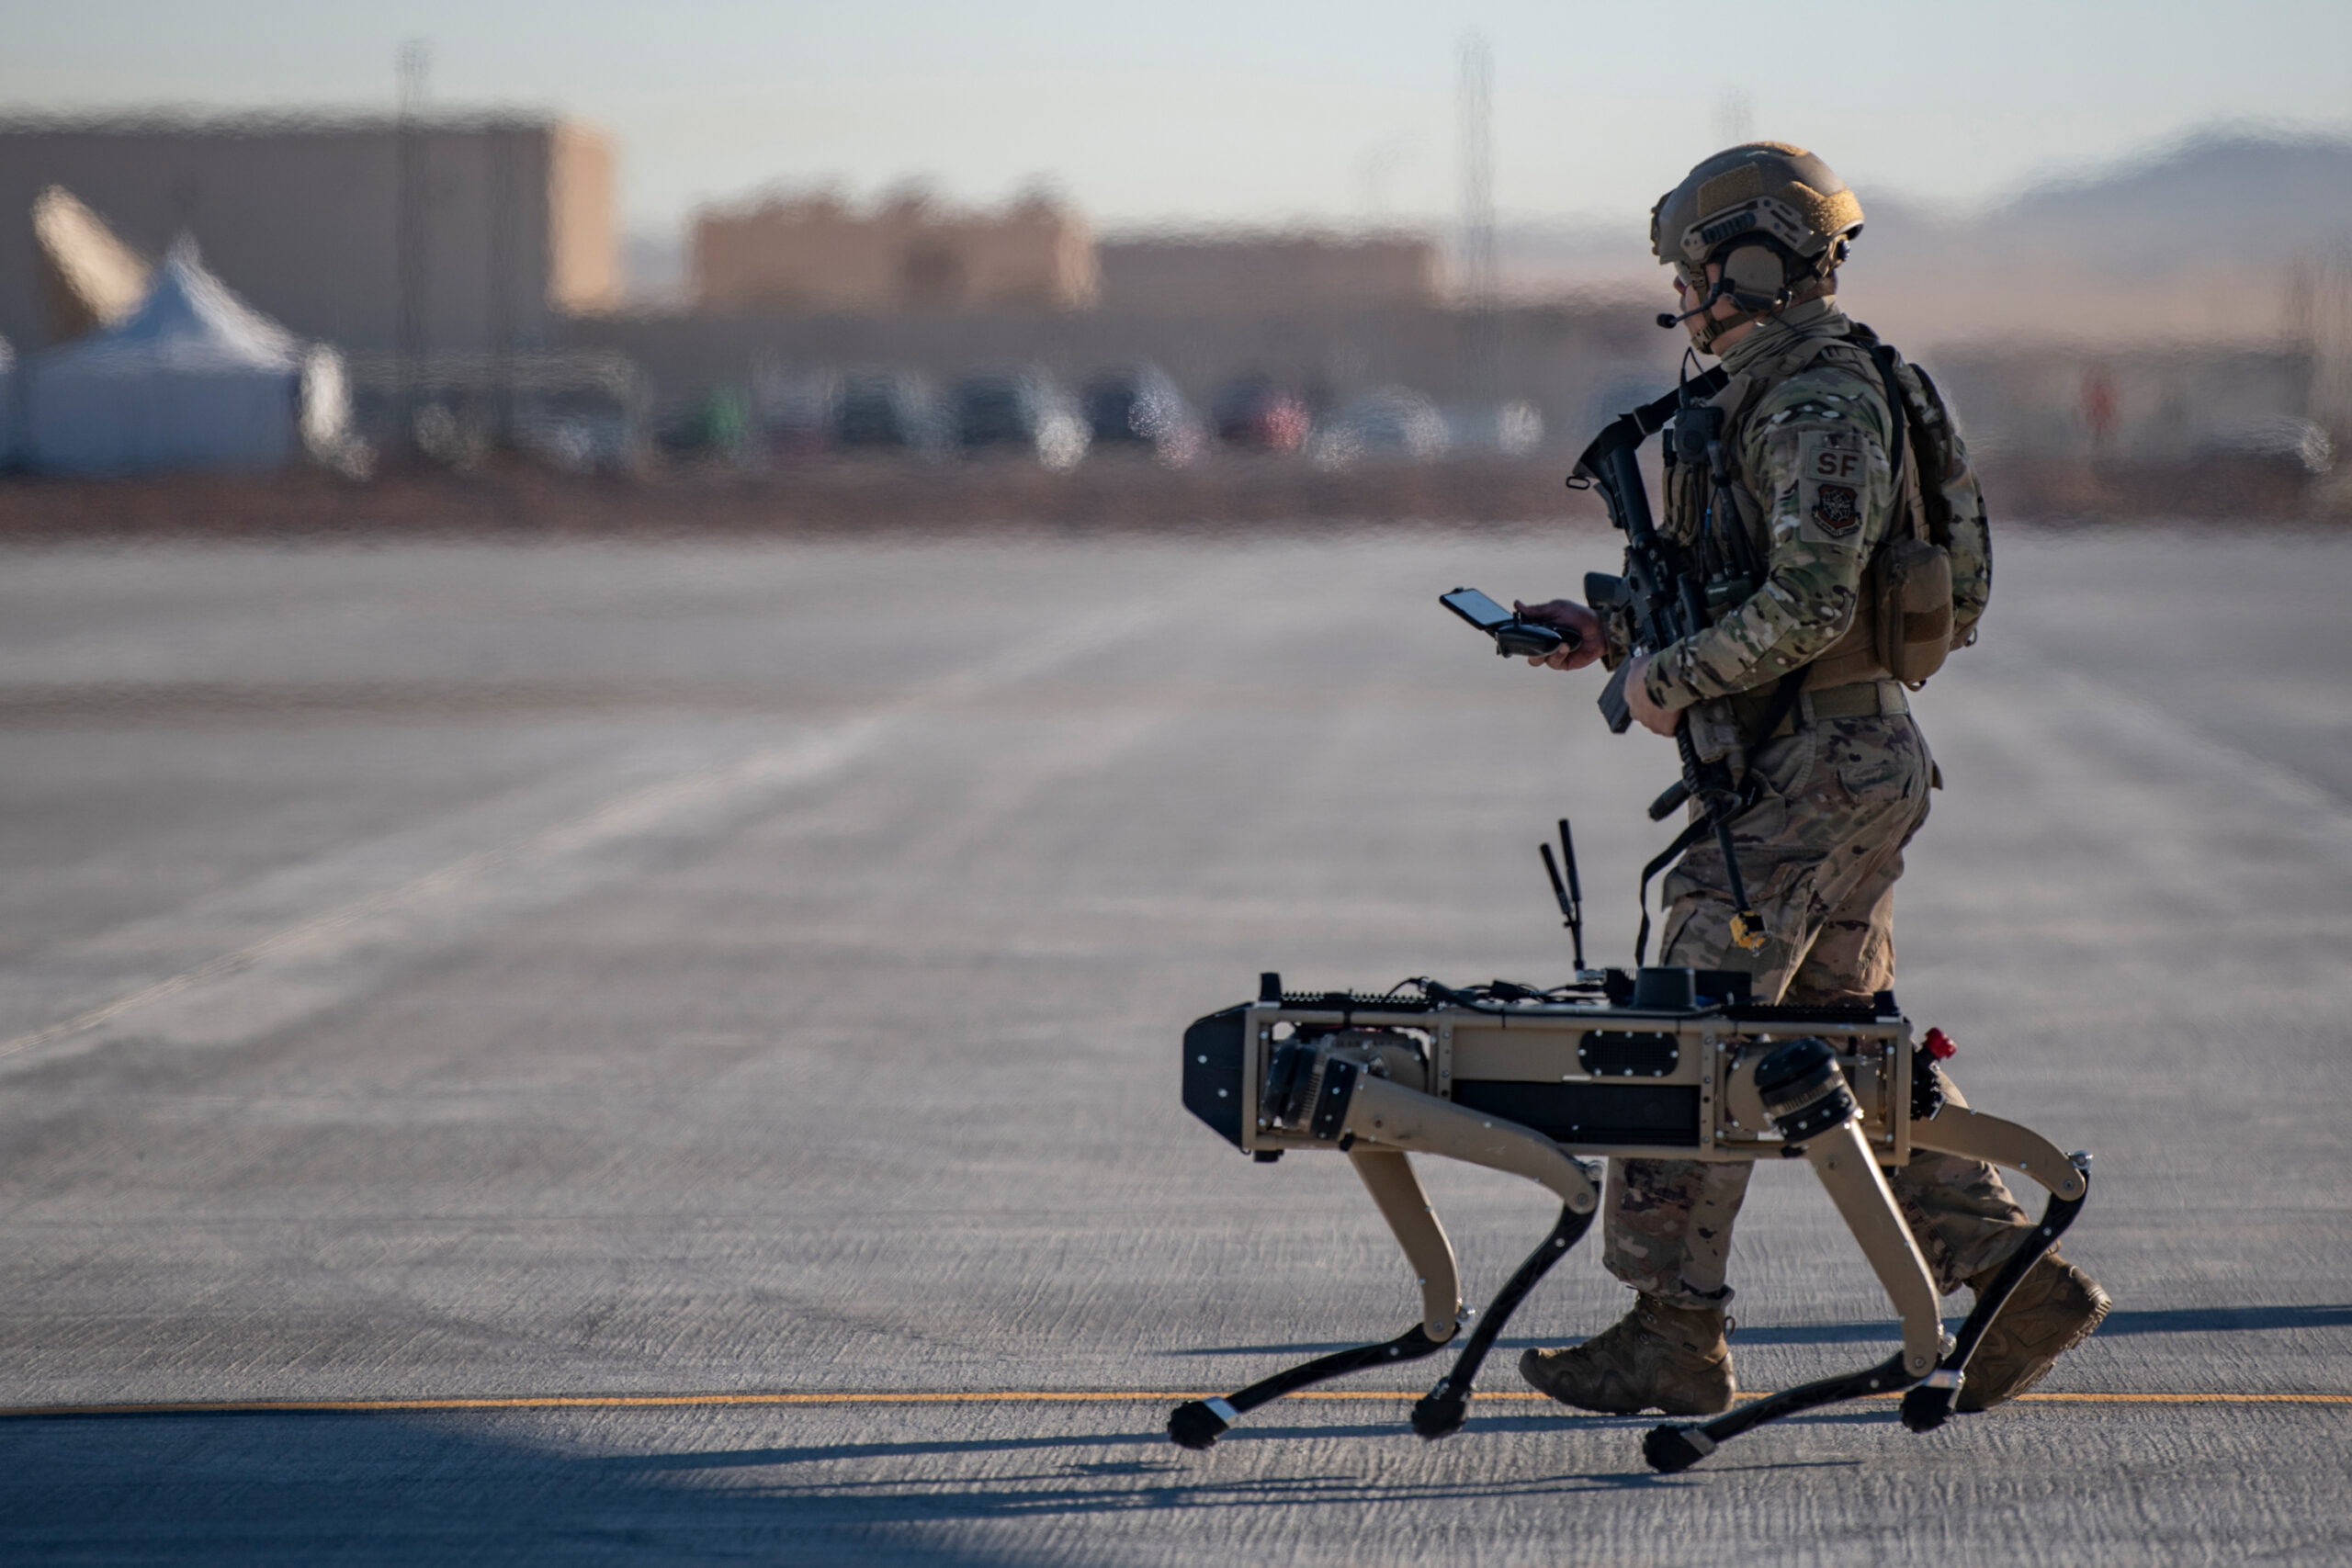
(1938, 1046)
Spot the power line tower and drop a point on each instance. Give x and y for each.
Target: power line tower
(409, 237)
(1477, 238)
(2319, 306)
(1734, 116)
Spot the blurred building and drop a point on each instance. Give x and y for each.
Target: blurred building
(814, 255)
(1269, 273)
(480, 234)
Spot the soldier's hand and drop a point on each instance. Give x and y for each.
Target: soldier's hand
(1647, 714)
(1568, 615)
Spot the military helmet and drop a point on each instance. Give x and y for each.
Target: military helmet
(1758, 190)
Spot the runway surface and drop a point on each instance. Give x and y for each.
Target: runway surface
(679, 1042)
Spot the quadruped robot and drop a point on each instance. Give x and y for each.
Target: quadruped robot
(1657, 1062)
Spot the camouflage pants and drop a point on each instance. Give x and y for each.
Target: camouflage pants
(1819, 853)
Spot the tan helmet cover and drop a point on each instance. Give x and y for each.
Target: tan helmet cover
(1770, 188)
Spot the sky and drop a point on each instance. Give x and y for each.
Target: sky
(1234, 112)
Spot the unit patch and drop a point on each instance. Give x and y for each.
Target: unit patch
(1836, 508)
(1835, 471)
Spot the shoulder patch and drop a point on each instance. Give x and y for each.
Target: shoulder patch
(1833, 478)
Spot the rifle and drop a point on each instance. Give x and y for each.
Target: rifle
(1664, 594)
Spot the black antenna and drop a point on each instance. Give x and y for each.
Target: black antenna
(1570, 892)
(1575, 891)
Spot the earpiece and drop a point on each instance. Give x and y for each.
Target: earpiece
(1756, 277)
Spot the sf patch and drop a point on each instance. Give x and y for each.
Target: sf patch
(1837, 470)
(1837, 508)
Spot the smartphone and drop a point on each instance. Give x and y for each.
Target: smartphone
(1476, 608)
(1511, 635)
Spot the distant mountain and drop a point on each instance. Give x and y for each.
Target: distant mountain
(2196, 240)
(2225, 196)
(2230, 193)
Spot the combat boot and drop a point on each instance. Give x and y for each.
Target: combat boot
(2053, 1309)
(1658, 1356)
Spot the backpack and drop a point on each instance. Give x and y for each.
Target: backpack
(1933, 579)
(1925, 588)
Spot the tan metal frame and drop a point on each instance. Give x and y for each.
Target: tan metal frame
(1386, 1121)
(1538, 1044)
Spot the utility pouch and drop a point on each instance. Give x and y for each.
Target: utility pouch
(1913, 600)
(1914, 609)
(1715, 731)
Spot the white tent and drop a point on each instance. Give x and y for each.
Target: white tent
(193, 379)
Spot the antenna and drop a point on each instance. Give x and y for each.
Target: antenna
(1476, 106)
(1734, 116)
(1570, 892)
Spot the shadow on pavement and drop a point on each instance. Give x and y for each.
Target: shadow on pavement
(2170, 1320)
(379, 1489)
(368, 1489)
(375, 1489)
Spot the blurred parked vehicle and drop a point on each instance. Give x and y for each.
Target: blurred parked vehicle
(1390, 422)
(1256, 411)
(7, 407)
(2282, 444)
(1140, 407)
(1511, 429)
(1016, 411)
(887, 411)
(577, 412)
(577, 433)
(794, 412)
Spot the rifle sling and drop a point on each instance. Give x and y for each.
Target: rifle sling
(1898, 407)
(1692, 831)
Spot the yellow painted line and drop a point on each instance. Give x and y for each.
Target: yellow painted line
(609, 1402)
(999, 1396)
(2192, 1398)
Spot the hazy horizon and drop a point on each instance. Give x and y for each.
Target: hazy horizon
(1232, 114)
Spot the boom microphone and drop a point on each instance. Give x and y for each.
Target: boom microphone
(1669, 320)
(1745, 301)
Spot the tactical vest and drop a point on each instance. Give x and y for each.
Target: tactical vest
(1927, 578)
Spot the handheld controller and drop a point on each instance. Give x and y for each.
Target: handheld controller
(1513, 634)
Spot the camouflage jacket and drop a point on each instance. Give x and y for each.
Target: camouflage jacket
(1811, 456)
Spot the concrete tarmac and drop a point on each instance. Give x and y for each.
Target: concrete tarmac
(614, 1012)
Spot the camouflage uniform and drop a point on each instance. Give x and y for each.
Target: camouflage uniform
(1821, 848)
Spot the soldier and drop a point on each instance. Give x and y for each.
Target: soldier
(1802, 670)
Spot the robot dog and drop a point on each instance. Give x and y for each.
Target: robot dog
(1659, 1062)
